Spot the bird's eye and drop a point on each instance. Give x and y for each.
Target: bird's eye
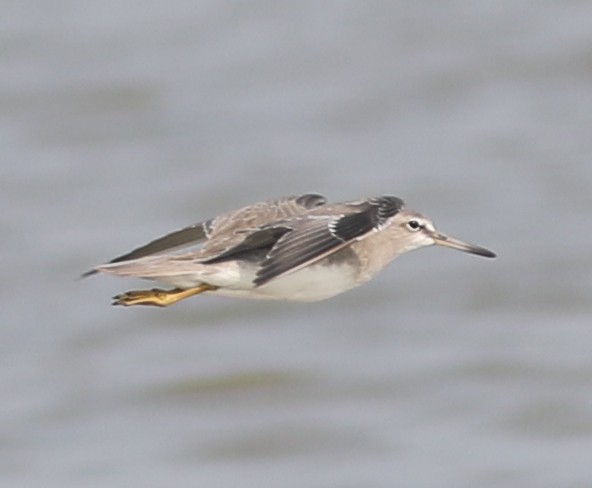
(414, 225)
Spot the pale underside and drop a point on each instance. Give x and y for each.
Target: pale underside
(312, 283)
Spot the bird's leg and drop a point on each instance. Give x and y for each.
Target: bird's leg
(157, 297)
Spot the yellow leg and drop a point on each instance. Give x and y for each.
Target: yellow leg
(157, 297)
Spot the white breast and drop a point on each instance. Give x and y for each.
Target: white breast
(309, 284)
(306, 285)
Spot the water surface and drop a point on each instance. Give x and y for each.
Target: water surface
(121, 121)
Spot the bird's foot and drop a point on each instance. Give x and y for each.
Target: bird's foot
(157, 297)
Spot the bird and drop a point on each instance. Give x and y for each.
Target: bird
(296, 248)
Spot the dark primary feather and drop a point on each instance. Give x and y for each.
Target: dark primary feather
(261, 239)
(298, 247)
(351, 226)
(385, 207)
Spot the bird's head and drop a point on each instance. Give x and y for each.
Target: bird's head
(414, 230)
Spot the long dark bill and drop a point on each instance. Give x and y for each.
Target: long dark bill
(447, 241)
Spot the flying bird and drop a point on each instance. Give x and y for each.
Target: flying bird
(296, 248)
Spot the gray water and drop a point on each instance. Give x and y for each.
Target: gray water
(120, 121)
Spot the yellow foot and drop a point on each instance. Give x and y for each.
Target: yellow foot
(157, 297)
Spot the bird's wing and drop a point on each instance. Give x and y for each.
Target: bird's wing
(313, 238)
(254, 227)
(230, 230)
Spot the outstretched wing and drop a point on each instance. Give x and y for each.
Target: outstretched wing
(312, 239)
(229, 233)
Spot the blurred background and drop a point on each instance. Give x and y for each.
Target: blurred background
(123, 120)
